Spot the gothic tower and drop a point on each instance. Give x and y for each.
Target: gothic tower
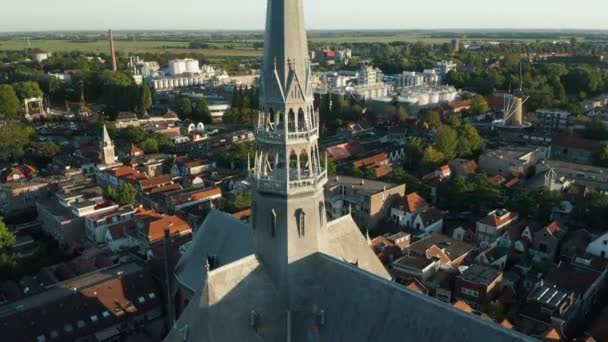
(287, 177)
(106, 146)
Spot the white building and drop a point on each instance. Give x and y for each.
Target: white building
(599, 247)
(183, 66)
(412, 79)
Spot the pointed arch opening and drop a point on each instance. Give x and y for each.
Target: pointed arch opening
(301, 120)
(291, 121)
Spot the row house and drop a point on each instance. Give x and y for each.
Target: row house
(415, 213)
(423, 258)
(191, 168)
(599, 247)
(478, 285)
(379, 163)
(494, 225)
(106, 305)
(18, 173)
(149, 231)
(63, 214)
(96, 226)
(22, 196)
(114, 177)
(369, 202)
(169, 202)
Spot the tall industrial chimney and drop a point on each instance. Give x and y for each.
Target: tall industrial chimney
(113, 51)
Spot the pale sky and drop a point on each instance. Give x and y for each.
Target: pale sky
(34, 15)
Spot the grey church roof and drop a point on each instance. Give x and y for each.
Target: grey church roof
(334, 301)
(221, 236)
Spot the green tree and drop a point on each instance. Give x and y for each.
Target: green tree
(331, 165)
(126, 194)
(600, 157)
(432, 157)
(547, 200)
(402, 114)
(523, 202)
(145, 99)
(496, 310)
(183, 106)
(370, 173)
(14, 138)
(201, 111)
(479, 105)
(7, 239)
(49, 150)
(150, 146)
(433, 118)
(446, 142)
(596, 130)
(28, 90)
(9, 102)
(239, 202)
(469, 141)
(414, 150)
(411, 182)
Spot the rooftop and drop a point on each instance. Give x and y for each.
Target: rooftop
(364, 185)
(480, 274)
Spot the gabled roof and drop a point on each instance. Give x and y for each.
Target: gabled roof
(498, 218)
(412, 203)
(431, 215)
(370, 161)
(553, 335)
(155, 225)
(556, 228)
(136, 151)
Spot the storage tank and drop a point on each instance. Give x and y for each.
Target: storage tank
(423, 99)
(409, 100)
(192, 66)
(434, 97)
(177, 66)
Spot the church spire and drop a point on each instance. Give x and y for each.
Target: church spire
(285, 50)
(287, 175)
(105, 140)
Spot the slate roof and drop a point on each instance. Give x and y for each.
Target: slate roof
(340, 303)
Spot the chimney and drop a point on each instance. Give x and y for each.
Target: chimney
(113, 51)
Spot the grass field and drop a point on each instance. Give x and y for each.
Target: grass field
(236, 48)
(129, 47)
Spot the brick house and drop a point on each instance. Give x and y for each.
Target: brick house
(478, 285)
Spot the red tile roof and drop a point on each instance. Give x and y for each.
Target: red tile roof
(155, 182)
(413, 203)
(124, 171)
(242, 215)
(555, 228)
(371, 161)
(506, 324)
(462, 306)
(513, 182)
(136, 151)
(495, 220)
(417, 287)
(498, 179)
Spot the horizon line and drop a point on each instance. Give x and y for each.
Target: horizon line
(464, 29)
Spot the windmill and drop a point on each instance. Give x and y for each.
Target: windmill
(514, 101)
